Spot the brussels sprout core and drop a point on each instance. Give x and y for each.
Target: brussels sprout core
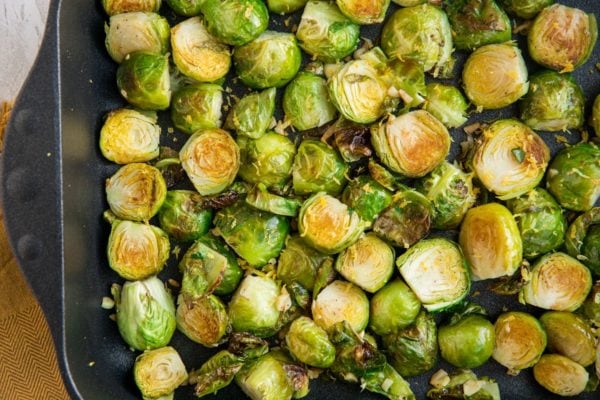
(159, 372)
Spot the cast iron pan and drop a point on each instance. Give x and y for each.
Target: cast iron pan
(53, 196)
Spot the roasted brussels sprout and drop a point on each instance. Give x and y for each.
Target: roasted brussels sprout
(560, 375)
(361, 12)
(412, 144)
(410, 3)
(574, 176)
(143, 80)
(203, 320)
(389, 180)
(595, 121)
(510, 159)
(477, 22)
(341, 301)
(184, 216)
(113, 7)
(318, 167)
(299, 263)
(136, 192)
(159, 372)
(447, 104)
(186, 8)
(259, 198)
(285, 6)
(520, 340)
(367, 197)
(145, 313)
(252, 114)
(325, 33)
(271, 60)
(570, 336)
(462, 384)
(136, 31)
(130, 136)
(308, 343)
(387, 382)
(421, 33)
(211, 159)
(196, 107)
(525, 9)
(495, 76)
(235, 22)
(306, 102)
(393, 307)
(491, 242)
(562, 38)
(540, 221)
(583, 239)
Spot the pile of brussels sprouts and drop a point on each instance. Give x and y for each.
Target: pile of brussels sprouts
(320, 243)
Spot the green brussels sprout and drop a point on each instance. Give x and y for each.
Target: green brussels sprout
(328, 225)
(325, 33)
(562, 38)
(410, 3)
(495, 76)
(574, 176)
(259, 198)
(136, 192)
(235, 22)
(560, 375)
(299, 263)
(232, 273)
(510, 159)
(145, 313)
(595, 120)
(590, 309)
(136, 31)
(436, 260)
(525, 9)
(555, 102)
(341, 301)
(406, 220)
(393, 307)
(409, 82)
(364, 13)
(389, 180)
(143, 80)
(308, 343)
(113, 7)
(203, 320)
(520, 340)
(318, 167)
(447, 104)
(271, 60)
(450, 191)
(413, 350)
(198, 54)
(540, 221)
(285, 6)
(421, 33)
(186, 8)
(196, 107)
(477, 22)
(558, 282)
(570, 336)
(256, 236)
(367, 197)
(491, 242)
(462, 384)
(159, 372)
(412, 144)
(583, 239)
(253, 114)
(387, 382)
(184, 216)
(216, 373)
(211, 159)
(306, 102)
(130, 136)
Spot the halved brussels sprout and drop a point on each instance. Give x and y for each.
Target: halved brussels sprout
(285, 6)
(560, 375)
(145, 313)
(393, 307)
(211, 159)
(410, 3)
(495, 76)
(570, 336)
(203, 320)
(271, 60)
(198, 54)
(184, 216)
(436, 260)
(328, 225)
(451, 193)
(555, 102)
(235, 22)
(421, 33)
(387, 382)
(389, 180)
(143, 80)
(414, 349)
(595, 121)
(136, 192)
(196, 107)
(256, 236)
(308, 343)
(341, 301)
(540, 221)
(368, 263)
(252, 115)
(259, 198)
(412, 144)
(558, 282)
(447, 104)
(130, 136)
(477, 22)
(136, 31)
(583, 239)
(406, 220)
(574, 176)
(113, 7)
(159, 372)
(562, 38)
(306, 102)
(299, 263)
(325, 33)
(318, 167)
(511, 159)
(520, 340)
(216, 373)
(364, 12)
(462, 384)
(186, 8)
(491, 242)
(525, 9)
(367, 197)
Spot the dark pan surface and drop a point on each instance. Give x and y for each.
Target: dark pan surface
(54, 208)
